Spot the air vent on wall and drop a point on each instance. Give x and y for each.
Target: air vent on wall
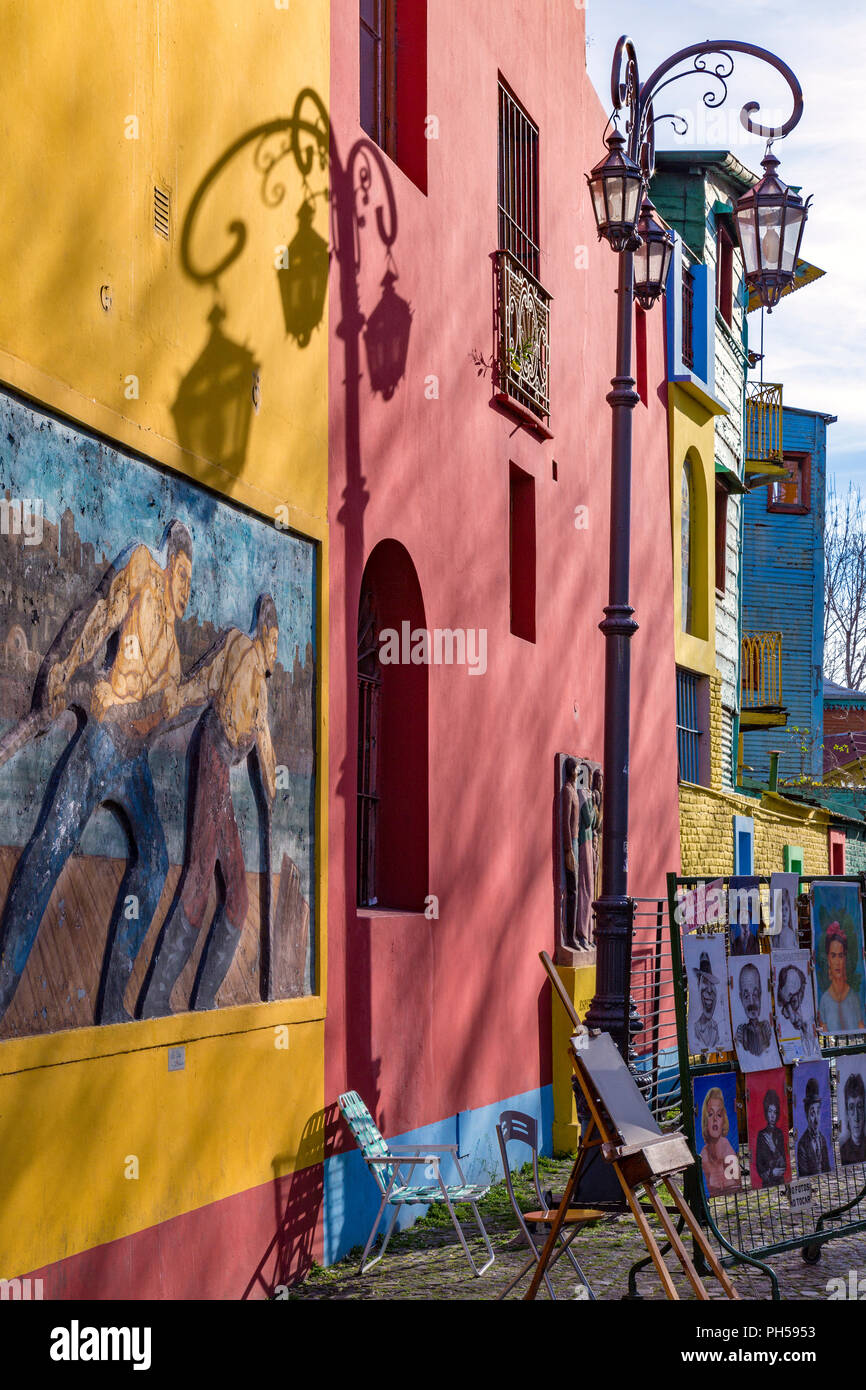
(161, 212)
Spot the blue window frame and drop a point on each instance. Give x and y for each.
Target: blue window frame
(689, 729)
(744, 845)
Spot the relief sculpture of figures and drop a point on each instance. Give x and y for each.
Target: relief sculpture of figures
(131, 616)
(597, 796)
(231, 679)
(580, 818)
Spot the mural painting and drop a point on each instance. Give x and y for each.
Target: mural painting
(157, 740)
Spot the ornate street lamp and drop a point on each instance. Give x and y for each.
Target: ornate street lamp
(652, 258)
(770, 220)
(615, 186)
(304, 281)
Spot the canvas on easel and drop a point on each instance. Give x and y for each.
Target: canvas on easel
(623, 1128)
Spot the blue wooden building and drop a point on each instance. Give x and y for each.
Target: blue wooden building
(783, 604)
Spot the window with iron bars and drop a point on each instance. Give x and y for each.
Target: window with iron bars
(689, 730)
(518, 183)
(523, 305)
(688, 318)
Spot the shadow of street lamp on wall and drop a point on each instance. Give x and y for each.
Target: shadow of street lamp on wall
(304, 281)
(386, 339)
(306, 138)
(214, 404)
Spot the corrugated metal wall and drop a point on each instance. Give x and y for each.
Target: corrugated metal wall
(783, 581)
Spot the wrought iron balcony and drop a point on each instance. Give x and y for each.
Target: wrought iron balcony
(761, 680)
(522, 337)
(763, 443)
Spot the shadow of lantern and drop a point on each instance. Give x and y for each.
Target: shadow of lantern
(214, 403)
(304, 281)
(386, 339)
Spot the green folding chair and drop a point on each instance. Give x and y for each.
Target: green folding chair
(385, 1163)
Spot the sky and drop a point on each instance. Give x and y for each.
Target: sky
(814, 341)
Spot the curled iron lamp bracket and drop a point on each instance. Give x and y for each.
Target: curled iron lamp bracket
(636, 99)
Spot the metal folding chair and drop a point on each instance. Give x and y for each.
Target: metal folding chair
(515, 1127)
(385, 1163)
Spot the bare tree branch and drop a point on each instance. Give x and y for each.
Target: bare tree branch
(845, 587)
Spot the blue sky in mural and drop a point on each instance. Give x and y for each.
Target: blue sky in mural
(813, 341)
(115, 500)
(244, 556)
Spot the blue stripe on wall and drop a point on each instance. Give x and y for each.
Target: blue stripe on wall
(351, 1197)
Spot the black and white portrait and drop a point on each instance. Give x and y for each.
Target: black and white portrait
(783, 932)
(795, 1005)
(751, 1013)
(709, 1023)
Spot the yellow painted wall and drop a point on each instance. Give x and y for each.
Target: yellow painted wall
(692, 435)
(186, 80)
(233, 1119)
(78, 214)
(580, 986)
(707, 831)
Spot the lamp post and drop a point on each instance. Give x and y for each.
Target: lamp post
(770, 221)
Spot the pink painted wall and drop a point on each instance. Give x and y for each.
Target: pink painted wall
(426, 1018)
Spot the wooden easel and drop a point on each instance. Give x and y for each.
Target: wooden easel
(622, 1126)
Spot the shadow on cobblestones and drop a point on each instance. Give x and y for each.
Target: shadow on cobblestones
(428, 1263)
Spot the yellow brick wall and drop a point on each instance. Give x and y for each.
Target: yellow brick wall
(707, 832)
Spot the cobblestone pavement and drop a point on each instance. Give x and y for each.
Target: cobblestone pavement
(427, 1262)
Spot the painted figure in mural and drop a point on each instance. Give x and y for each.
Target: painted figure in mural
(231, 678)
(771, 1144)
(134, 610)
(839, 1005)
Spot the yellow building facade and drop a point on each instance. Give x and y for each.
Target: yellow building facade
(141, 240)
(707, 810)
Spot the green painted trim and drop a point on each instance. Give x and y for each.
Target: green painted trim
(792, 858)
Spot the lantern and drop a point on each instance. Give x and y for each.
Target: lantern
(386, 339)
(770, 219)
(214, 403)
(652, 259)
(615, 186)
(304, 281)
